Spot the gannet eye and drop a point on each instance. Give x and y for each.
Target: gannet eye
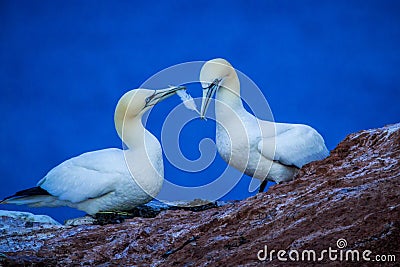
(214, 83)
(217, 81)
(149, 98)
(207, 87)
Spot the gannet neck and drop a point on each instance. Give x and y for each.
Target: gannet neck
(128, 119)
(229, 93)
(130, 109)
(133, 132)
(228, 97)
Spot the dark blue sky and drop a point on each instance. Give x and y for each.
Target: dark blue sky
(64, 64)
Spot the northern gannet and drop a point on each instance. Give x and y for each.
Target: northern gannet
(262, 149)
(110, 179)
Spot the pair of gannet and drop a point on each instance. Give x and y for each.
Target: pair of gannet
(110, 179)
(117, 180)
(262, 149)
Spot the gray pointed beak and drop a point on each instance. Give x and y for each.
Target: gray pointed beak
(208, 93)
(162, 94)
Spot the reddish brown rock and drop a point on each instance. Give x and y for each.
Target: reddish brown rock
(354, 194)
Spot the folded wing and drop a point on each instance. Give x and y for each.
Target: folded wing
(294, 144)
(89, 175)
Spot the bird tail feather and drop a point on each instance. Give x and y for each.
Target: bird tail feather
(34, 197)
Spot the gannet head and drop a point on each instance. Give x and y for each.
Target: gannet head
(215, 74)
(136, 102)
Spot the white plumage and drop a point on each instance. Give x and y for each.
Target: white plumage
(101, 181)
(110, 179)
(295, 144)
(103, 171)
(261, 149)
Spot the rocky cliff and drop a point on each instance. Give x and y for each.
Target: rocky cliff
(343, 206)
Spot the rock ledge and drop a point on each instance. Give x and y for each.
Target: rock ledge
(352, 195)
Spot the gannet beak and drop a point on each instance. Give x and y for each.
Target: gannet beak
(208, 93)
(160, 95)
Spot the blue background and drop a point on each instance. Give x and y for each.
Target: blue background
(64, 64)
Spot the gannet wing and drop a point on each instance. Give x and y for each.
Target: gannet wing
(89, 175)
(295, 144)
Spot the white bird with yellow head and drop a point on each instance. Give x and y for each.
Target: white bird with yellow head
(109, 179)
(261, 149)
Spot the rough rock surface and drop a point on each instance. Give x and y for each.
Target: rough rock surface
(27, 217)
(354, 194)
